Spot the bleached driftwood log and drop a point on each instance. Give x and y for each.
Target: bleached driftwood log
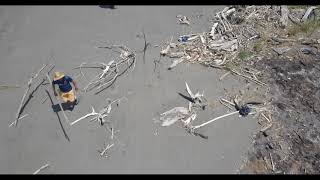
(217, 118)
(307, 13)
(284, 16)
(227, 46)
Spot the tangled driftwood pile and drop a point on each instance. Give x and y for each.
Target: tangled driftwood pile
(234, 29)
(111, 70)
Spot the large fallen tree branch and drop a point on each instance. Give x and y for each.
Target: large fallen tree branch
(26, 92)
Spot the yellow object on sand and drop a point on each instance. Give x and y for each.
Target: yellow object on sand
(67, 96)
(58, 75)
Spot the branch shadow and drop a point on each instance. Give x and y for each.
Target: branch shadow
(64, 132)
(186, 97)
(65, 106)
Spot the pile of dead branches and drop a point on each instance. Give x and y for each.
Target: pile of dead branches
(233, 31)
(111, 70)
(102, 117)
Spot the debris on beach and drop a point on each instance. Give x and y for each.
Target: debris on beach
(101, 118)
(111, 70)
(23, 103)
(183, 19)
(237, 33)
(186, 116)
(42, 168)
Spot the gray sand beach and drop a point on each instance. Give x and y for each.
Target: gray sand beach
(31, 36)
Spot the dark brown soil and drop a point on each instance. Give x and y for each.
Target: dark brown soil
(293, 141)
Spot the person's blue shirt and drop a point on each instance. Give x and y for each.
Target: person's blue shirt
(64, 84)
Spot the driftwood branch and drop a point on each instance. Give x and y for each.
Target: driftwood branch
(284, 16)
(41, 168)
(166, 50)
(307, 13)
(104, 151)
(249, 78)
(26, 92)
(19, 119)
(217, 118)
(93, 113)
(111, 69)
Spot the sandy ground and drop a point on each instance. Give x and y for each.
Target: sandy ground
(29, 35)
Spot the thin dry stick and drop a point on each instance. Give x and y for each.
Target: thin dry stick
(19, 119)
(265, 117)
(273, 168)
(266, 128)
(112, 133)
(93, 113)
(107, 128)
(229, 114)
(225, 104)
(249, 78)
(41, 168)
(82, 72)
(224, 100)
(26, 92)
(104, 151)
(64, 114)
(223, 76)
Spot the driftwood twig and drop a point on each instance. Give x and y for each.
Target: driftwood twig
(41, 168)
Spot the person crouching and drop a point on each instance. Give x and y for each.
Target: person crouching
(65, 91)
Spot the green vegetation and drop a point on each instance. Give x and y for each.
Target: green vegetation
(308, 27)
(244, 55)
(297, 7)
